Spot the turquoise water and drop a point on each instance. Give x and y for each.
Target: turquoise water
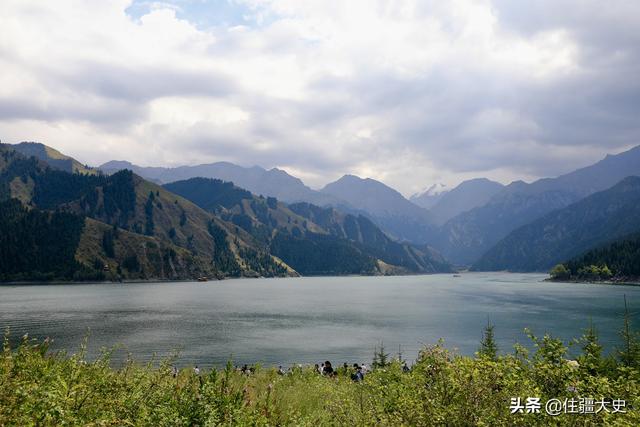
(306, 320)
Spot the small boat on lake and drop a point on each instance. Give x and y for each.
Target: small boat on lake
(203, 279)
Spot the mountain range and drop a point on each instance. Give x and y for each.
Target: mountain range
(123, 227)
(566, 233)
(466, 237)
(273, 182)
(466, 196)
(306, 236)
(464, 223)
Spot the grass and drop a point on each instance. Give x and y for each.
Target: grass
(42, 388)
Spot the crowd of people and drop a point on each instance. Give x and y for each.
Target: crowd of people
(356, 372)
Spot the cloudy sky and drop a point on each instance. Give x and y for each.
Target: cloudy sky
(407, 92)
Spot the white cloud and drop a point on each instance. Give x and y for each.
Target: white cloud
(409, 92)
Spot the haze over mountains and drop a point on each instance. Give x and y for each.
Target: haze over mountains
(273, 182)
(306, 236)
(429, 197)
(466, 224)
(462, 223)
(66, 224)
(466, 196)
(566, 233)
(465, 238)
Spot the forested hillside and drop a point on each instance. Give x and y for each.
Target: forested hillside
(619, 261)
(311, 239)
(131, 228)
(568, 232)
(37, 244)
(467, 237)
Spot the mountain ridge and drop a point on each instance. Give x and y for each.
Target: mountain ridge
(566, 233)
(466, 237)
(282, 227)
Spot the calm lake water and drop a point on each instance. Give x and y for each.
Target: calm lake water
(306, 320)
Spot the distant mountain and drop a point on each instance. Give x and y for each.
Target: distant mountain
(466, 237)
(385, 206)
(568, 232)
(52, 157)
(429, 197)
(274, 182)
(311, 239)
(113, 227)
(401, 219)
(466, 196)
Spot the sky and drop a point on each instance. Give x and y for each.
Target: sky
(407, 92)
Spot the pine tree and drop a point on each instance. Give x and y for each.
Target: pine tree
(380, 358)
(591, 358)
(630, 353)
(488, 347)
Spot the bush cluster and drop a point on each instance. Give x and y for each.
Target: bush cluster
(39, 387)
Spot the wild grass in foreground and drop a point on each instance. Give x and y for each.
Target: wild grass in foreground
(41, 388)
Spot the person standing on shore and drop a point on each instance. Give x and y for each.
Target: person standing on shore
(327, 368)
(357, 376)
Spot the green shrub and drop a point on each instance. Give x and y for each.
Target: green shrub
(39, 387)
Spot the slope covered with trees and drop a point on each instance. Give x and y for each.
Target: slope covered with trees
(568, 232)
(311, 239)
(37, 244)
(467, 237)
(617, 261)
(132, 229)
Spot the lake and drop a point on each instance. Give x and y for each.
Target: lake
(311, 319)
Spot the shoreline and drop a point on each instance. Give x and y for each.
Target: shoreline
(139, 281)
(634, 282)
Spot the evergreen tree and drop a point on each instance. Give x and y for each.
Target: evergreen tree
(488, 347)
(148, 210)
(380, 358)
(629, 354)
(591, 358)
(108, 244)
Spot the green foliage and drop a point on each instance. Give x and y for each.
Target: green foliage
(223, 258)
(209, 194)
(591, 359)
(564, 233)
(108, 238)
(488, 346)
(148, 211)
(131, 263)
(629, 354)
(262, 263)
(620, 260)
(183, 218)
(119, 197)
(36, 245)
(40, 387)
(380, 357)
(560, 272)
(272, 202)
(317, 254)
(348, 245)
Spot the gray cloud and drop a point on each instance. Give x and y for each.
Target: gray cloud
(304, 91)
